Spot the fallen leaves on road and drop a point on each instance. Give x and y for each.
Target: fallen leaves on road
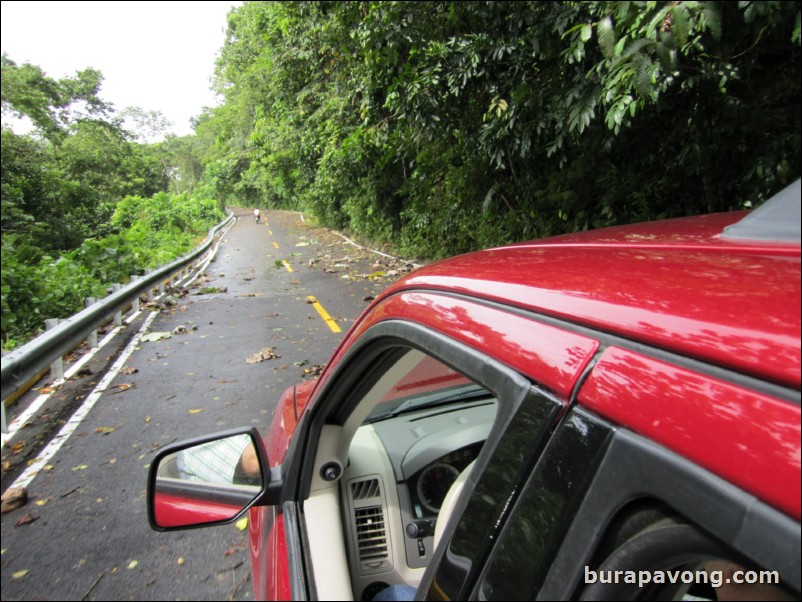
(122, 387)
(268, 353)
(105, 430)
(196, 411)
(315, 370)
(19, 574)
(13, 498)
(129, 370)
(18, 447)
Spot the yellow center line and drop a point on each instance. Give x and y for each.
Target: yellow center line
(286, 265)
(275, 244)
(324, 314)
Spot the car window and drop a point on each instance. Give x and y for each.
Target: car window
(651, 552)
(414, 433)
(420, 426)
(543, 511)
(517, 448)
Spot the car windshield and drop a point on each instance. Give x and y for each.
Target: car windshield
(446, 396)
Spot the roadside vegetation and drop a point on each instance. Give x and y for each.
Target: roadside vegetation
(434, 127)
(84, 204)
(444, 127)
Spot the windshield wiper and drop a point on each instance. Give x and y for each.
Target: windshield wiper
(442, 399)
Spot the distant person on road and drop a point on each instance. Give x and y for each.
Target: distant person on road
(256, 216)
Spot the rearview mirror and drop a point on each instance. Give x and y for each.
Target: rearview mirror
(206, 481)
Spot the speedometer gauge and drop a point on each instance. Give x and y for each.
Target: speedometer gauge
(434, 483)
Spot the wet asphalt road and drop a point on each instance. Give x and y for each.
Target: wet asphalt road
(83, 534)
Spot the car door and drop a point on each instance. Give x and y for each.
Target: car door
(412, 404)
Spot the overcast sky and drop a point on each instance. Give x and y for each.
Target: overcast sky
(154, 55)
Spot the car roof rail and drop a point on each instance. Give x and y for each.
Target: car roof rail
(778, 219)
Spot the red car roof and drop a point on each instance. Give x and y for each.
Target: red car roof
(674, 284)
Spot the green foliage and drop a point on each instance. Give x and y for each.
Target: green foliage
(439, 127)
(161, 228)
(147, 126)
(83, 204)
(36, 287)
(52, 105)
(150, 233)
(444, 127)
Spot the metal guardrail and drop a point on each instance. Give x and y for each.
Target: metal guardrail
(22, 364)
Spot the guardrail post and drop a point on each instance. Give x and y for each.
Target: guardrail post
(118, 317)
(57, 367)
(135, 302)
(91, 340)
(149, 292)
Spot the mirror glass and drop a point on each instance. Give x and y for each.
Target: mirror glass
(208, 482)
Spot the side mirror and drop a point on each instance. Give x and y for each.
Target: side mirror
(207, 481)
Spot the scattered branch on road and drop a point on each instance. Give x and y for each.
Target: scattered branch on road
(91, 587)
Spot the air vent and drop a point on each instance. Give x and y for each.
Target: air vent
(371, 537)
(371, 546)
(364, 490)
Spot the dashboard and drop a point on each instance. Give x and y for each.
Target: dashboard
(429, 487)
(399, 471)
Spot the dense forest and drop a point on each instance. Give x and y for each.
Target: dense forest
(444, 127)
(436, 127)
(84, 204)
